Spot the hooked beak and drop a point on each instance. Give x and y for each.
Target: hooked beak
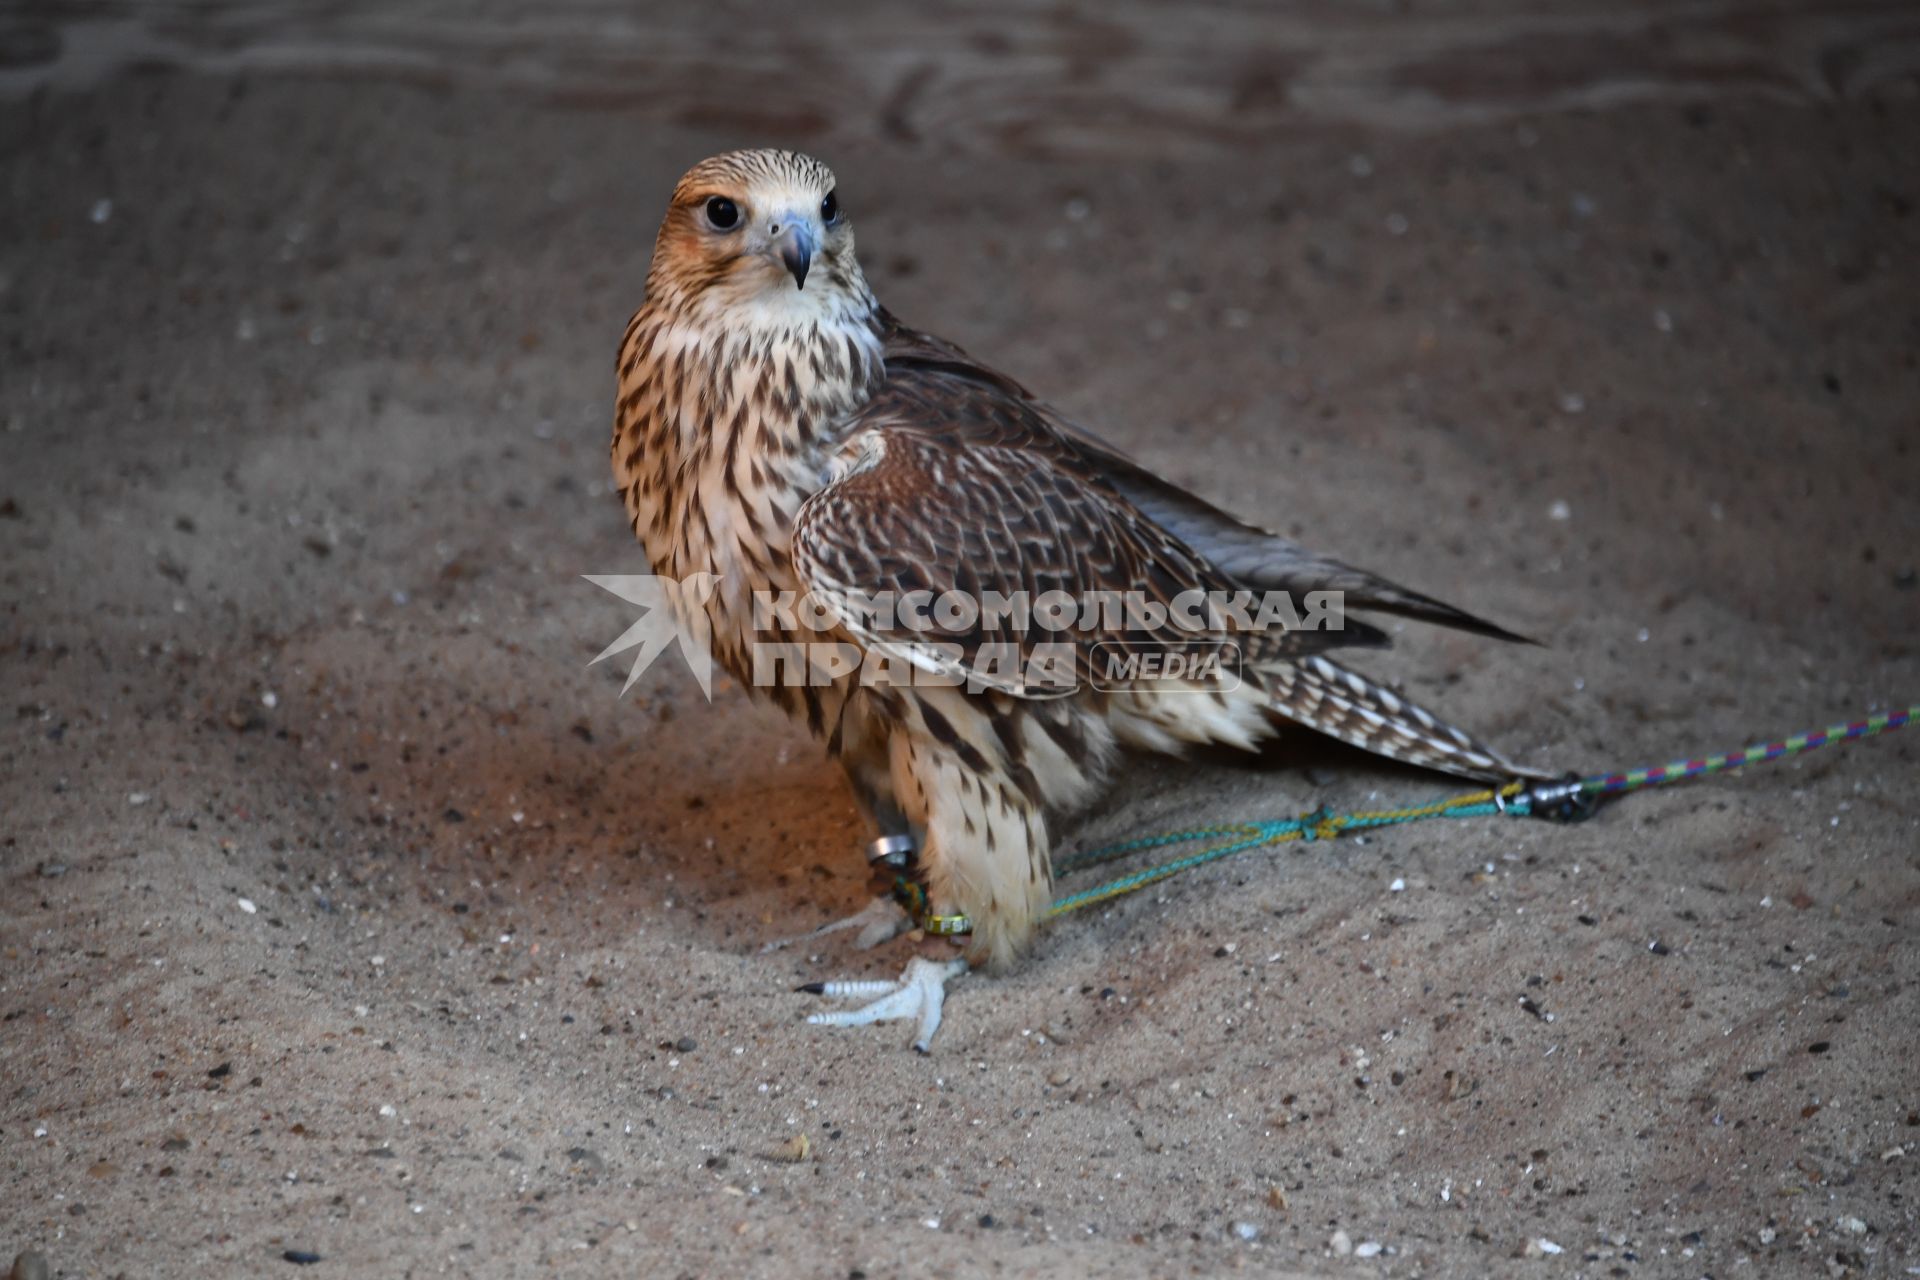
(794, 243)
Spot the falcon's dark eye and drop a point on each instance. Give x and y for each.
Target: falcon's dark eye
(830, 209)
(723, 213)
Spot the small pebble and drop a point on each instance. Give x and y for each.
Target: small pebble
(1246, 1231)
(793, 1150)
(1368, 1249)
(1341, 1243)
(300, 1257)
(247, 905)
(30, 1265)
(1560, 510)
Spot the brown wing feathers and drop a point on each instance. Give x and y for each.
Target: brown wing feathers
(1249, 556)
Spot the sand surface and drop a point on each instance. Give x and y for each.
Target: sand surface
(344, 910)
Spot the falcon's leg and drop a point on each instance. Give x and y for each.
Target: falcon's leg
(985, 853)
(882, 919)
(918, 993)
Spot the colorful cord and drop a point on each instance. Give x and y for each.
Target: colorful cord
(1568, 800)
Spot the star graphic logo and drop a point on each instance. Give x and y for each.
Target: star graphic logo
(675, 610)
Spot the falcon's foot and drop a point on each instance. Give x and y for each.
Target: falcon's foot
(881, 920)
(918, 994)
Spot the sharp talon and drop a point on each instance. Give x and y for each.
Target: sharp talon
(919, 993)
(813, 988)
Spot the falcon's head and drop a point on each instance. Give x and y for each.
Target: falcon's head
(761, 228)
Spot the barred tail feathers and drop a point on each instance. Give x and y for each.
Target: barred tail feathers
(1341, 704)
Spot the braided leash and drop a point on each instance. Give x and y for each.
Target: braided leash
(1569, 800)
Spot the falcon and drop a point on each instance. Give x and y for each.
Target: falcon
(782, 436)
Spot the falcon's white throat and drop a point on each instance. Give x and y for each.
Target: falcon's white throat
(765, 299)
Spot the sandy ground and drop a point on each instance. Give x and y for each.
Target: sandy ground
(347, 912)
